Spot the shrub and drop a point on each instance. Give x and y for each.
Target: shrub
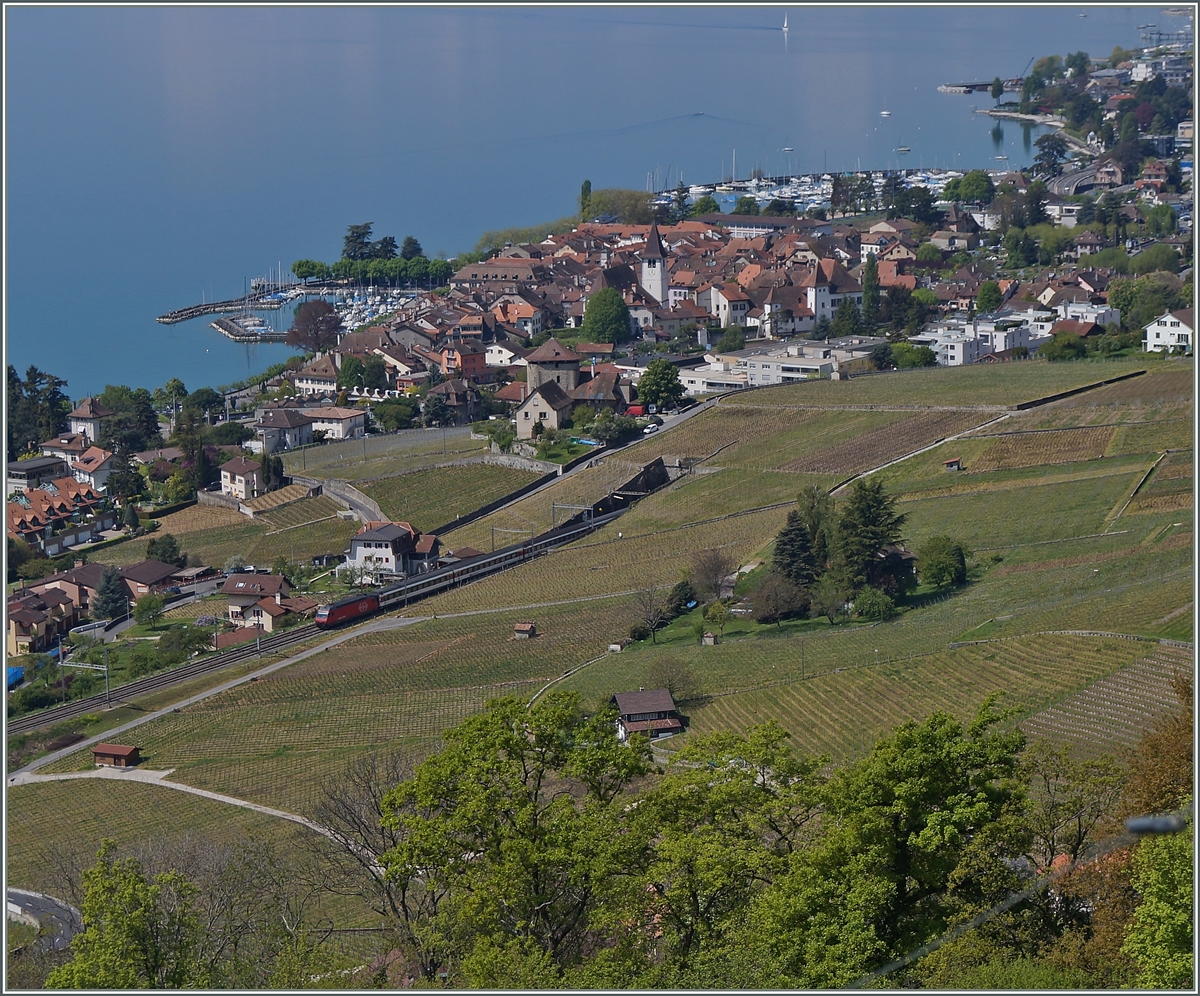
(639, 631)
(872, 604)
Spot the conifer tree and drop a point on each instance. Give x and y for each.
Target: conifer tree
(794, 553)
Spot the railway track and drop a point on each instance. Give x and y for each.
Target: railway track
(392, 597)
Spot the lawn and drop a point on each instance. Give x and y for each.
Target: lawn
(429, 498)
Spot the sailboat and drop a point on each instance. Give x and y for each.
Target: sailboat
(902, 148)
(785, 28)
(885, 114)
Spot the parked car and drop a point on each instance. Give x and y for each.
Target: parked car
(173, 590)
(655, 420)
(649, 429)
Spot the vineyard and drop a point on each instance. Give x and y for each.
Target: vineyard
(1116, 710)
(1038, 449)
(429, 498)
(382, 456)
(1000, 385)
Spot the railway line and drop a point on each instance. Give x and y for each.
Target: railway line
(390, 597)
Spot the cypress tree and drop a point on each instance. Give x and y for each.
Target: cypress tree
(793, 551)
(111, 595)
(870, 286)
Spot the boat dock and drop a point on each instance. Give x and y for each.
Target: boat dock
(247, 328)
(268, 297)
(1010, 86)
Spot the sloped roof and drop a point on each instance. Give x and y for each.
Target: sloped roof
(654, 700)
(241, 466)
(552, 393)
(254, 584)
(91, 408)
(149, 572)
(552, 351)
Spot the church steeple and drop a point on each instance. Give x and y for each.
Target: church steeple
(654, 266)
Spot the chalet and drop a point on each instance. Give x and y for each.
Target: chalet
(652, 713)
(383, 548)
(255, 599)
(116, 755)
(241, 478)
(1171, 330)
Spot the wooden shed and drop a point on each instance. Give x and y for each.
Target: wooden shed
(955, 464)
(116, 755)
(524, 631)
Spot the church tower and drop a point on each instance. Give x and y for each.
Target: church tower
(654, 267)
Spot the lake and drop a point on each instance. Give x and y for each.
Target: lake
(160, 155)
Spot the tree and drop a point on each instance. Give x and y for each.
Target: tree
(732, 339)
(138, 933)
(351, 373)
(1064, 346)
(585, 195)
(234, 563)
(870, 286)
(123, 481)
(166, 549)
(822, 329)
(1035, 202)
(651, 608)
(410, 248)
(606, 317)
(927, 252)
(717, 616)
(705, 205)
(676, 676)
(907, 357)
(777, 598)
(976, 187)
(881, 357)
(997, 90)
(794, 558)
(1052, 150)
(816, 508)
(37, 410)
(846, 320)
(874, 605)
(989, 296)
(436, 411)
(745, 205)
(626, 207)
(709, 569)
(112, 596)
(942, 562)
(315, 327)
(868, 522)
(204, 400)
(829, 596)
(1160, 937)
(659, 384)
(148, 609)
(357, 243)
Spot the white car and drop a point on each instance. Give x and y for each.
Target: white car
(649, 429)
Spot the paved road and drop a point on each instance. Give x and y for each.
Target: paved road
(60, 920)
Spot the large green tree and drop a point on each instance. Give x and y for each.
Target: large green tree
(37, 409)
(659, 384)
(989, 296)
(794, 557)
(942, 562)
(868, 521)
(139, 932)
(112, 595)
(606, 317)
(1160, 939)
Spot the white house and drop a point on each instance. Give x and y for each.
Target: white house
(281, 429)
(501, 355)
(318, 377)
(1084, 311)
(338, 423)
(93, 467)
(1171, 330)
(382, 548)
(240, 477)
(89, 418)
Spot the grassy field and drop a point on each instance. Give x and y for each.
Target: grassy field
(429, 498)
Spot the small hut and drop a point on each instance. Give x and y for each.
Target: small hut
(955, 464)
(524, 631)
(116, 755)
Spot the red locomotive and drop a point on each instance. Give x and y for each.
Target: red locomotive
(346, 609)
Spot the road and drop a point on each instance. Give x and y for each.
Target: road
(60, 920)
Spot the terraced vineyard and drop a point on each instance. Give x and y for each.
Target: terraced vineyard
(1037, 449)
(429, 498)
(300, 513)
(1115, 711)
(381, 456)
(1000, 385)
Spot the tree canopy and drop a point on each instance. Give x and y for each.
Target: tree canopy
(659, 384)
(315, 327)
(606, 317)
